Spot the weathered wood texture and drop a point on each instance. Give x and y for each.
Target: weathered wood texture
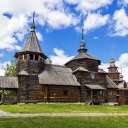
(112, 95)
(91, 65)
(123, 96)
(85, 78)
(56, 93)
(30, 66)
(29, 89)
(95, 96)
(10, 99)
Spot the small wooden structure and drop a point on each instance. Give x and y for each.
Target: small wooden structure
(8, 84)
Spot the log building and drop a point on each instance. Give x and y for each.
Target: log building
(79, 80)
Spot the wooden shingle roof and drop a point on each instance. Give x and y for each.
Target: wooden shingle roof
(57, 75)
(94, 87)
(32, 43)
(8, 82)
(83, 56)
(110, 83)
(81, 69)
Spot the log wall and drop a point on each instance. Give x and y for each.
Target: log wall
(56, 93)
(91, 65)
(123, 97)
(29, 89)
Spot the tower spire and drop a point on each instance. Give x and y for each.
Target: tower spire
(33, 17)
(33, 27)
(82, 34)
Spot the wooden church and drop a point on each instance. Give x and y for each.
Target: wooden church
(79, 81)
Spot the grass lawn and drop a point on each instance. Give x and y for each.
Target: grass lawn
(65, 122)
(63, 108)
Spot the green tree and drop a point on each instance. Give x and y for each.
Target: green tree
(48, 62)
(10, 69)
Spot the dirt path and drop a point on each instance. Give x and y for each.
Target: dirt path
(9, 115)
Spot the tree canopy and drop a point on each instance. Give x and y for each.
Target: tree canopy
(10, 69)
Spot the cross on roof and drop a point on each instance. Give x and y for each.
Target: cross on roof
(82, 34)
(33, 16)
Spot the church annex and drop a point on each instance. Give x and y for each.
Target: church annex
(79, 81)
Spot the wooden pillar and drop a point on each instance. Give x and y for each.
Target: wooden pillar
(2, 96)
(92, 96)
(45, 94)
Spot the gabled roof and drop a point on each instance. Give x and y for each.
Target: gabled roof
(57, 75)
(23, 73)
(8, 82)
(94, 87)
(110, 83)
(83, 56)
(101, 71)
(122, 84)
(81, 69)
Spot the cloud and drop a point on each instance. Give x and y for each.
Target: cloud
(119, 23)
(39, 36)
(122, 2)
(95, 37)
(15, 17)
(2, 68)
(60, 58)
(121, 63)
(85, 6)
(95, 20)
(11, 31)
(1, 54)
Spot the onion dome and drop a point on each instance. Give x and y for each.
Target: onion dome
(121, 76)
(82, 44)
(112, 61)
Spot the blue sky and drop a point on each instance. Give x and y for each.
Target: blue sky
(58, 27)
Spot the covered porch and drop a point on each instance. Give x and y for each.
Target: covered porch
(8, 89)
(96, 94)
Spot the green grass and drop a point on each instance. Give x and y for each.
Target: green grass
(63, 108)
(65, 122)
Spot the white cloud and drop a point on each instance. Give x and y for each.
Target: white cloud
(2, 68)
(11, 30)
(60, 58)
(124, 2)
(120, 23)
(85, 6)
(95, 20)
(95, 37)
(52, 13)
(121, 63)
(39, 36)
(61, 19)
(1, 54)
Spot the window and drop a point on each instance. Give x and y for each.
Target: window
(65, 92)
(98, 93)
(36, 57)
(23, 57)
(31, 57)
(92, 76)
(101, 93)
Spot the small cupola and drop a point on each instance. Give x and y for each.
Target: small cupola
(121, 76)
(112, 62)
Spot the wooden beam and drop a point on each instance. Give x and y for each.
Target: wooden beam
(2, 96)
